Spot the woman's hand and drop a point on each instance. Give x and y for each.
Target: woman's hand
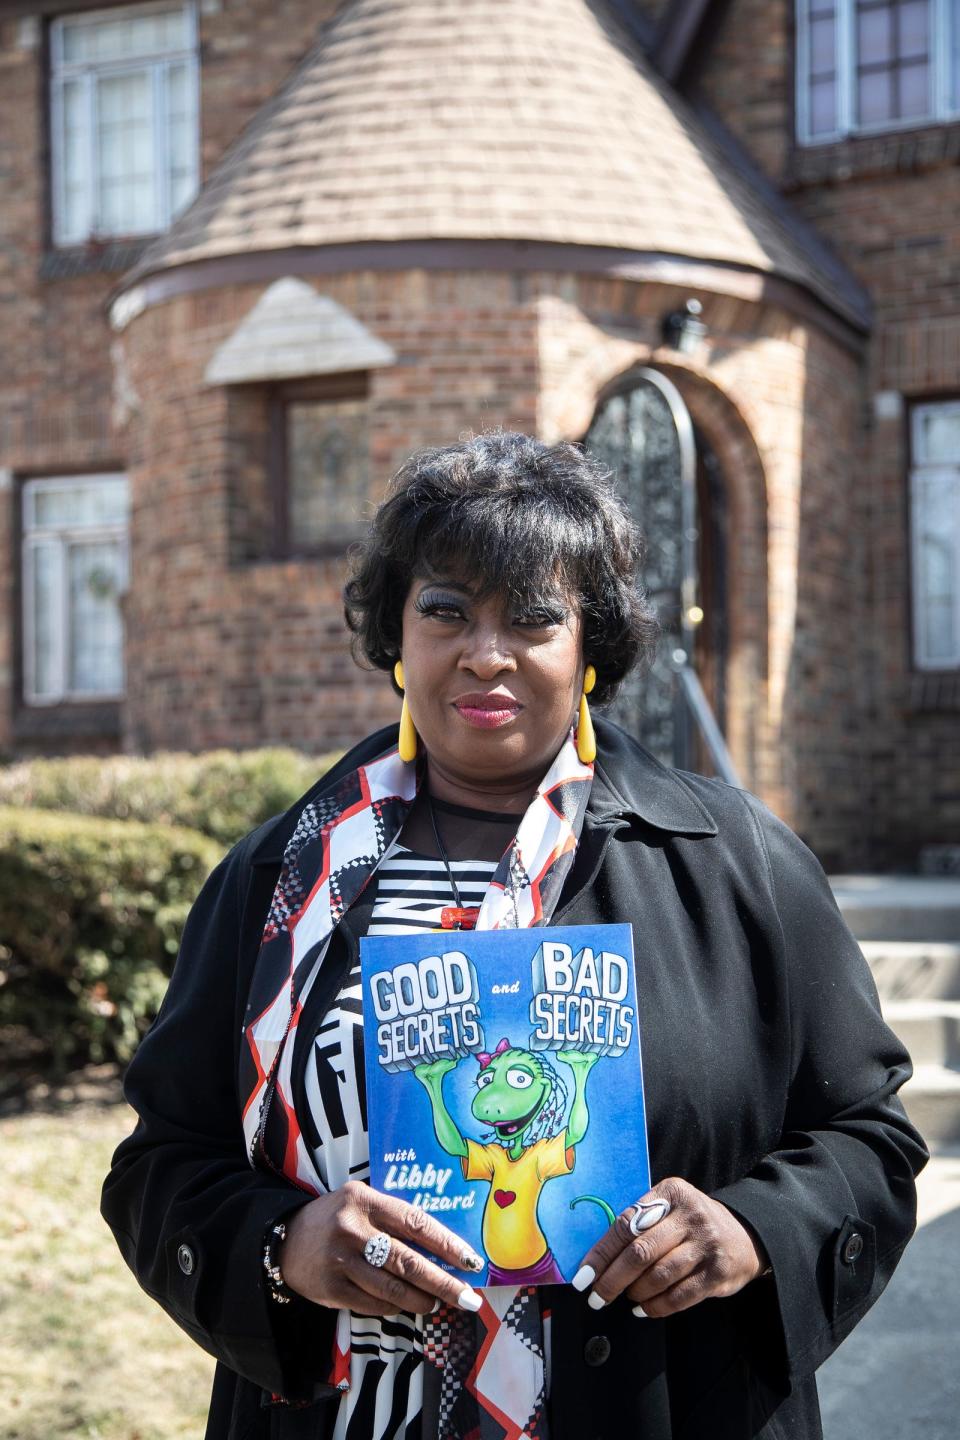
(699, 1249)
(322, 1255)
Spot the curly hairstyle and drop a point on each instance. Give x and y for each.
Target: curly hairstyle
(512, 516)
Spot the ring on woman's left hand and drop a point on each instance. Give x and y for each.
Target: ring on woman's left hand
(647, 1214)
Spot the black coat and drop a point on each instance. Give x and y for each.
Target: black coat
(770, 1081)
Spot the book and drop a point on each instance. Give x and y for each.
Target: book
(505, 1088)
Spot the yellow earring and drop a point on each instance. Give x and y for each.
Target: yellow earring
(408, 735)
(586, 739)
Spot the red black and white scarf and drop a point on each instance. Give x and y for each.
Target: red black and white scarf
(490, 1366)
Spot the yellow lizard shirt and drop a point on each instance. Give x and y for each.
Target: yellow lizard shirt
(512, 1236)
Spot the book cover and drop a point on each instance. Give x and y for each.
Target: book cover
(504, 1088)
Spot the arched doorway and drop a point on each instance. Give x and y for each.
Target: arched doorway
(671, 481)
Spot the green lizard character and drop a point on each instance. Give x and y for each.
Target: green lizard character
(522, 1098)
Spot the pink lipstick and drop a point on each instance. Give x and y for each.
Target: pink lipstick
(487, 712)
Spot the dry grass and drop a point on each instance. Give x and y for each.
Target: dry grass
(85, 1354)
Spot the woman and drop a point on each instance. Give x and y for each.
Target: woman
(497, 585)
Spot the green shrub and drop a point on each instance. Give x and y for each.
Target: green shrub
(91, 912)
(221, 793)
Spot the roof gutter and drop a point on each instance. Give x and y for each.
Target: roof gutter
(143, 289)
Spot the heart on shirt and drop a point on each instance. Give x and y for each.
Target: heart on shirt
(504, 1197)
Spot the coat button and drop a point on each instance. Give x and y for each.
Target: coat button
(186, 1260)
(597, 1350)
(853, 1249)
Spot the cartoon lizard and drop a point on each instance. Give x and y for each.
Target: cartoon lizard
(522, 1097)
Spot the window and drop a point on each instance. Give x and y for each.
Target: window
(935, 523)
(323, 469)
(74, 572)
(124, 121)
(873, 65)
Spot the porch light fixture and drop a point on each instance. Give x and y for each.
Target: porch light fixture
(683, 330)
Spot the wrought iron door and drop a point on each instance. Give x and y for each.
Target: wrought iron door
(644, 433)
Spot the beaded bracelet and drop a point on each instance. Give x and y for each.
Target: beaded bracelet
(279, 1290)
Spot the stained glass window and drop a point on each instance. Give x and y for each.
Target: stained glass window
(327, 471)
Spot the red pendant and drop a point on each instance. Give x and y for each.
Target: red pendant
(459, 917)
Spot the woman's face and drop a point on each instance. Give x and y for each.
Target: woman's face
(492, 690)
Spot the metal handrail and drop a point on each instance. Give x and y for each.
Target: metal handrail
(702, 713)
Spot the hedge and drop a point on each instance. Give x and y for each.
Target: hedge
(91, 913)
(221, 793)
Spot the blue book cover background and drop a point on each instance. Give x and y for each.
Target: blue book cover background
(505, 1044)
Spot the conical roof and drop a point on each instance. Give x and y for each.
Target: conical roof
(534, 120)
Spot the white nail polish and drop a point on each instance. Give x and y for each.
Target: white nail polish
(640, 1313)
(472, 1261)
(469, 1299)
(436, 1306)
(595, 1301)
(585, 1276)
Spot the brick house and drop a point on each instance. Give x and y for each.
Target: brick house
(252, 255)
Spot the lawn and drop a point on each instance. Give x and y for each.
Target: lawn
(85, 1354)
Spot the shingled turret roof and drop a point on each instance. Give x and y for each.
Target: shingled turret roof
(533, 120)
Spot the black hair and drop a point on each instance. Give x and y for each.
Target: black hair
(515, 517)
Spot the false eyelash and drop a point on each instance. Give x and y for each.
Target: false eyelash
(544, 615)
(427, 602)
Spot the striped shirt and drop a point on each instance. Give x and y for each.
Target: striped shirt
(413, 890)
(385, 1398)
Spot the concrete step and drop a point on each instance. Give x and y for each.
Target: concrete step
(914, 969)
(932, 1100)
(930, 1029)
(909, 930)
(894, 907)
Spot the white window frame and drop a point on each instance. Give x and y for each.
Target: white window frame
(921, 471)
(944, 19)
(33, 537)
(62, 71)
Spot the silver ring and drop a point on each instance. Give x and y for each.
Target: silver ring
(377, 1250)
(647, 1214)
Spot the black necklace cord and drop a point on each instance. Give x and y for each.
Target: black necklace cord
(443, 854)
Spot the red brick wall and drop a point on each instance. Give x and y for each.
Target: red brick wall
(55, 373)
(778, 403)
(832, 725)
(221, 652)
(900, 233)
(55, 390)
(745, 75)
(890, 206)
